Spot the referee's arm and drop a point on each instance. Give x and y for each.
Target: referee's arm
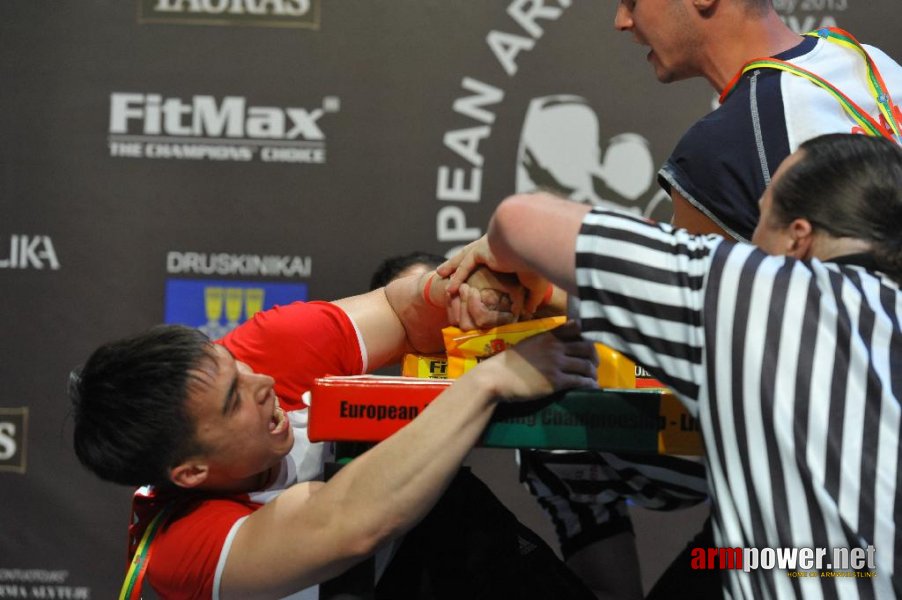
(532, 235)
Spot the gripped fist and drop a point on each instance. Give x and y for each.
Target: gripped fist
(498, 291)
(545, 363)
(475, 255)
(487, 299)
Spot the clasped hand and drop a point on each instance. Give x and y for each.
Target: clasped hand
(484, 293)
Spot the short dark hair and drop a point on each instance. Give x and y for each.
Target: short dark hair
(850, 186)
(129, 400)
(391, 267)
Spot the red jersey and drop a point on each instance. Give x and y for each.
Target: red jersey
(294, 344)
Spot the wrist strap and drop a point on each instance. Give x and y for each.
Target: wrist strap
(546, 299)
(426, 292)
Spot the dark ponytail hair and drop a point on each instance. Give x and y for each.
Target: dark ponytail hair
(849, 186)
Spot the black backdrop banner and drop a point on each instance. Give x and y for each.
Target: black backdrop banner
(195, 161)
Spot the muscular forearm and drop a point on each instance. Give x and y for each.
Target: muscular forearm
(421, 319)
(391, 487)
(537, 232)
(397, 319)
(408, 471)
(377, 497)
(302, 538)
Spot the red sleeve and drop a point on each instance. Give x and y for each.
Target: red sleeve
(295, 344)
(186, 552)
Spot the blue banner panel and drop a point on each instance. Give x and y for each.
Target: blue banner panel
(218, 306)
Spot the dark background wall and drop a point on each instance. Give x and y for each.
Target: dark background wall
(187, 160)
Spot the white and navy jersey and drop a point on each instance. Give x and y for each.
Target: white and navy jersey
(722, 164)
(794, 370)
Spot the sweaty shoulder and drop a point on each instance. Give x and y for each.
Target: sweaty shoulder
(297, 343)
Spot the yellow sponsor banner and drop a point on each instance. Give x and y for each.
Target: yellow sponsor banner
(425, 366)
(680, 432)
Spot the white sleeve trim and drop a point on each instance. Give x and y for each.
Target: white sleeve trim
(363, 356)
(310, 593)
(223, 555)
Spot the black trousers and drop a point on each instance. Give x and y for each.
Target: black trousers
(680, 580)
(470, 546)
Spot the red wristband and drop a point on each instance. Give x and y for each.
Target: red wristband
(547, 297)
(426, 289)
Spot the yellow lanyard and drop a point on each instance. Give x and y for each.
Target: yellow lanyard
(134, 578)
(890, 111)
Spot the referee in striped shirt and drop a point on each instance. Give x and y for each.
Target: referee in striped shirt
(789, 354)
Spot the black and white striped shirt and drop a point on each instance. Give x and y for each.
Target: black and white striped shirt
(794, 370)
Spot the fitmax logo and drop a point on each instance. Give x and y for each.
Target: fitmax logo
(13, 430)
(204, 116)
(154, 126)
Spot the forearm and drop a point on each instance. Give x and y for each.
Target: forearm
(555, 306)
(302, 538)
(537, 233)
(409, 471)
(397, 319)
(419, 303)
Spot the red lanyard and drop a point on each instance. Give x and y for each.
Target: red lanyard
(890, 111)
